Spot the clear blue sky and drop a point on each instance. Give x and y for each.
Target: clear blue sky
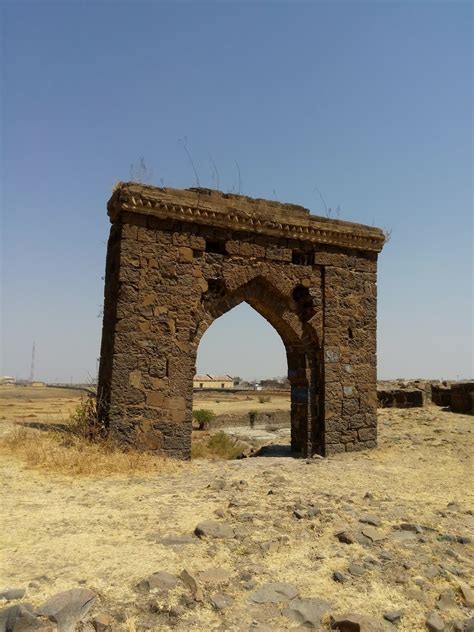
(370, 102)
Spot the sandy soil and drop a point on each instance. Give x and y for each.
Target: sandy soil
(225, 403)
(107, 533)
(48, 405)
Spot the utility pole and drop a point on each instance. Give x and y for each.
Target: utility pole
(32, 370)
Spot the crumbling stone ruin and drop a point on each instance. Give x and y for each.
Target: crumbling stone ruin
(458, 396)
(179, 259)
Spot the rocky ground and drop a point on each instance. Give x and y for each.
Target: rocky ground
(379, 540)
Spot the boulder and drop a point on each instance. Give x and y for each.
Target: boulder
(68, 608)
(214, 529)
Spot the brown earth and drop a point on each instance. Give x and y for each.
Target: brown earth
(108, 533)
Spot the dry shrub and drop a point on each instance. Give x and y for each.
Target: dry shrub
(70, 454)
(218, 445)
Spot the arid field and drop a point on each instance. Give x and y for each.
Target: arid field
(369, 533)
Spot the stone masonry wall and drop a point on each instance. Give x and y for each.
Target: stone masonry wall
(169, 278)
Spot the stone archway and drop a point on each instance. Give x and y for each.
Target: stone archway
(178, 259)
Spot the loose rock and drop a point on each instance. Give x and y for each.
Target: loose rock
(446, 600)
(467, 594)
(221, 601)
(308, 612)
(339, 577)
(356, 569)
(214, 529)
(12, 593)
(192, 583)
(358, 623)
(370, 519)
(346, 537)
(393, 615)
(19, 618)
(160, 580)
(408, 526)
(102, 622)
(435, 623)
(68, 608)
(373, 534)
(274, 592)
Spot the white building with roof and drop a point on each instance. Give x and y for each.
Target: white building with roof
(213, 381)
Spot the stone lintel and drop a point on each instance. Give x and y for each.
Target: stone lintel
(241, 213)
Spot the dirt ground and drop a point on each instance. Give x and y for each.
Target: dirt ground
(287, 516)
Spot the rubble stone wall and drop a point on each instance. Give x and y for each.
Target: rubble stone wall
(177, 260)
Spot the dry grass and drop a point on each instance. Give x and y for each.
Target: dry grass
(218, 445)
(106, 534)
(69, 454)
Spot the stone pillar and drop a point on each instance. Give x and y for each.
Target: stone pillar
(297, 376)
(147, 364)
(349, 359)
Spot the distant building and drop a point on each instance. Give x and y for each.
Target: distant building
(37, 383)
(7, 380)
(213, 381)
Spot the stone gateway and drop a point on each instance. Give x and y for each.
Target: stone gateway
(179, 259)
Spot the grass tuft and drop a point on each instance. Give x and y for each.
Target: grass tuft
(218, 445)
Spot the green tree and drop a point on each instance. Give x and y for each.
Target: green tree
(203, 418)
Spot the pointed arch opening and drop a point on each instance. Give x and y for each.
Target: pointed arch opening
(281, 314)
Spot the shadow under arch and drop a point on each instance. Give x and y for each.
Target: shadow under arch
(300, 346)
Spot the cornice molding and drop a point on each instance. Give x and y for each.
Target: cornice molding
(213, 208)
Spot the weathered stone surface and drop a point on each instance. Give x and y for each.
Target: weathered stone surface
(68, 607)
(214, 529)
(462, 397)
(403, 536)
(340, 577)
(467, 594)
(393, 615)
(12, 593)
(357, 570)
(358, 623)
(191, 582)
(274, 592)
(102, 622)
(400, 398)
(221, 601)
(179, 259)
(373, 534)
(435, 623)
(21, 618)
(370, 519)
(307, 612)
(469, 625)
(161, 580)
(446, 600)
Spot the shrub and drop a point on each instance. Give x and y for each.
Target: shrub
(203, 418)
(218, 445)
(263, 400)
